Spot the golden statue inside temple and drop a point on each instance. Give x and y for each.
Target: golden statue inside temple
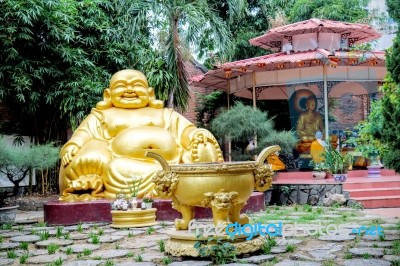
(108, 148)
(308, 123)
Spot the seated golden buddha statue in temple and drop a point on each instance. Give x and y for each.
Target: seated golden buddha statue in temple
(308, 123)
(108, 148)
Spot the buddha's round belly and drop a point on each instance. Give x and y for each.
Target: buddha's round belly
(135, 142)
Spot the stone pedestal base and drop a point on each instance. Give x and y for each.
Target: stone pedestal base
(181, 243)
(69, 213)
(133, 218)
(374, 171)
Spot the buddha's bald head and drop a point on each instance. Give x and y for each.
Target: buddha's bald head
(129, 75)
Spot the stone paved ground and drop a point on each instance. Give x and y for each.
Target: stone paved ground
(30, 243)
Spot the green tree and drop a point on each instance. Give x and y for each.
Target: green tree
(341, 10)
(241, 123)
(176, 26)
(56, 57)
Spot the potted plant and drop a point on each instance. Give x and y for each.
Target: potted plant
(134, 188)
(16, 162)
(319, 170)
(148, 200)
(337, 163)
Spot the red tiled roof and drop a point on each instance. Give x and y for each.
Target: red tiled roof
(358, 33)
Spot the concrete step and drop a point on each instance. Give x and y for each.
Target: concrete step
(371, 183)
(374, 192)
(378, 202)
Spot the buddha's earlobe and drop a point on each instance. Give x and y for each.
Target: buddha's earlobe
(106, 102)
(158, 104)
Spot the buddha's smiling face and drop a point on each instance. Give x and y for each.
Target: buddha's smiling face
(129, 89)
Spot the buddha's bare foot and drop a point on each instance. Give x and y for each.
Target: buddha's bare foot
(84, 188)
(181, 224)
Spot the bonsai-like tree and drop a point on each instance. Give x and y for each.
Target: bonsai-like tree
(242, 123)
(17, 161)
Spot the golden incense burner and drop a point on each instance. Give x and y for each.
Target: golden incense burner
(223, 187)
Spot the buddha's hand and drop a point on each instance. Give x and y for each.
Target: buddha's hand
(68, 153)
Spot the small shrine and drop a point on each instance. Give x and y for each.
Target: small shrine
(315, 62)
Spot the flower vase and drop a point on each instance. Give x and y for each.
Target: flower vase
(134, 203)
(148, 205)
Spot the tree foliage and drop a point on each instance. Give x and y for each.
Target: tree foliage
(56, 58)
(181, 24)
(241, 123)
(17, 161)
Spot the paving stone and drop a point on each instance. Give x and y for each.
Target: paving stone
(392, 237)
(300, 257)
(107, 239)
(297, 263)
(137, 244)
(110, 253)
(375, 252)
(152, 256)
(391, 258)
(192, 263)
(278, 249)
(12, 234)
(43, 259)
(84, 227)
(322, 254)
(330, 216)
(6, 246)
(36, 252)
(6, 262)
(366, 262)
(57, 241)
(128, 232)
(259, 259)
(285, 242)
(78, 236)
(379, 244)
(241, 264)
(129, 263)
(337, 238)
(85, 263)
(25, 238)
(78, 248)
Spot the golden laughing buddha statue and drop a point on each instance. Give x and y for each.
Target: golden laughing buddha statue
(108, 148)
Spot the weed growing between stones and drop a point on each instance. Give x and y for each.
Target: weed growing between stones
(328, 263)
(52, 248)
(87, 252)
(290, 248)
(348, 256)
(24, 245)
(6, 226)
(24, 258)
(57, 262)
(44, 235)
(366, 256)
(220, 251)
(59, 231)
(396, 247)
(79, 227)
(11, 254)
(167, 260)
(116, 246)
(41, 224)
(139, 258)
(95, 239)
(130, 254)
(161, 245)
(69, 251)
(150, 230)
(269, 243)
(109, 263)
(100, 232)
